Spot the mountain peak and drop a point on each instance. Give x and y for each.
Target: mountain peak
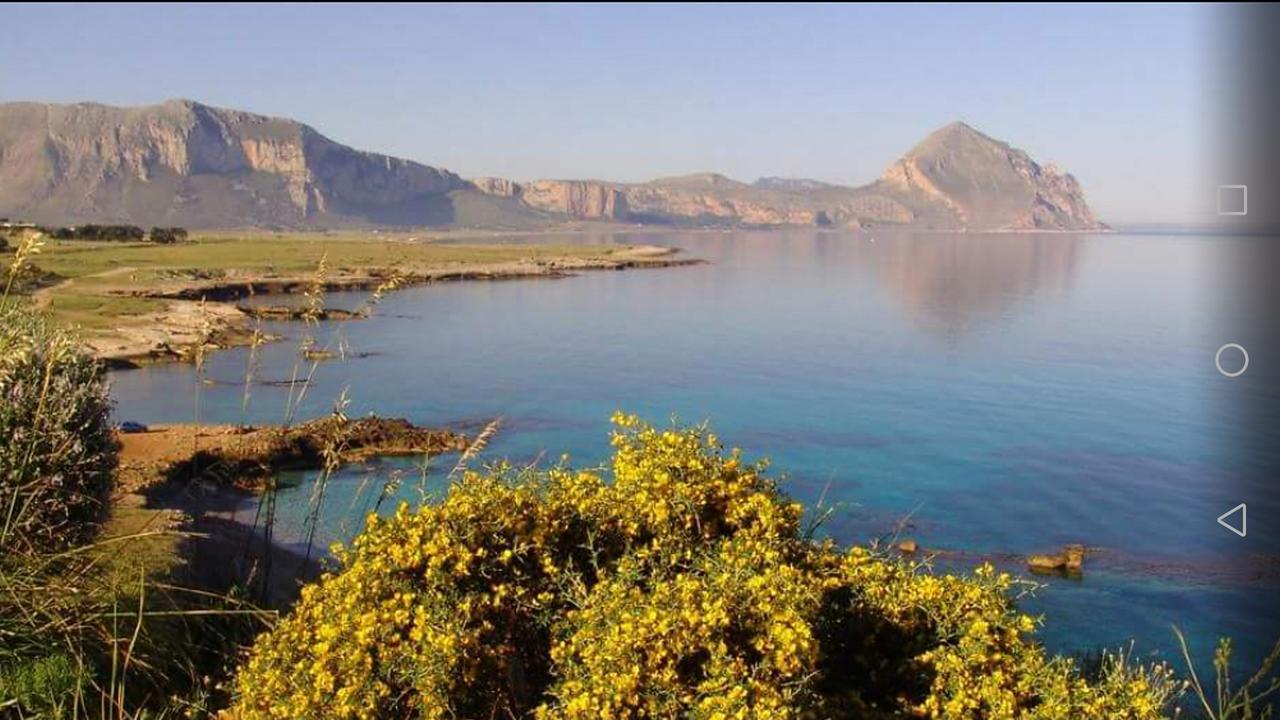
(958, 126)
(986, 183)
(955, 135)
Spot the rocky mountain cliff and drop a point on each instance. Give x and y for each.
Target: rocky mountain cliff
(184, 163)
(984, 183)
(957, 178)
(582, 199)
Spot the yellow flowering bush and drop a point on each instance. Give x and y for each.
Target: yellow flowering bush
(677, 585)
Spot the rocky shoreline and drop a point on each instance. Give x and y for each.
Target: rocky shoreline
(183, 475)
(202, 314)
(244, 457)
(183, 481)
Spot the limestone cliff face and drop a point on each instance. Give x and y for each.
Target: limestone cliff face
(1059, 203)
(497, 186)
(716, 199)
(182, 162)
(577, 198)
(585, 200)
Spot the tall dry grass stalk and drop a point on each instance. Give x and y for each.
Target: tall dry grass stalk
(300, 380)
(29, 247)
(476, 447)
(59, 602)
(1252, 700)
(56, 449)
(77, 637)
(199, 353)
(375, 298)
(333, 446)
(256, 340)
(302, 377)
(313, 311)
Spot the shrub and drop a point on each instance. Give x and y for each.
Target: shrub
(682, 586)
(168, 235)
(118, 233)
(44, 687)
(57, 452)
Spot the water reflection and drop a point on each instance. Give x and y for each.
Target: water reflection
(951, 284)
(948, 284)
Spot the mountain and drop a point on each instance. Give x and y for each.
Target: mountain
(987, 184)
(185, 163)
(582, 199)
(790, 184)
(956, 178)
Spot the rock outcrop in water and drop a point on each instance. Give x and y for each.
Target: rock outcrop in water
(185, 163)
(1070, 561)
(246, 456)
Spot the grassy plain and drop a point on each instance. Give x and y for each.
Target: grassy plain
(125, 297)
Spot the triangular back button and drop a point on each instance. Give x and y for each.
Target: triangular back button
(1227, 520)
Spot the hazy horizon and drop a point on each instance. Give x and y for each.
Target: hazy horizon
(1115, 95)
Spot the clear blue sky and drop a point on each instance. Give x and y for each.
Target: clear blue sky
(1114, 94)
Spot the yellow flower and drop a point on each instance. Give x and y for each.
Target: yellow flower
(677, 586)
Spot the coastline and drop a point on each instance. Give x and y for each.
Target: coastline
(199, 310)
(179, 307)
(159, 466)
(242, 457)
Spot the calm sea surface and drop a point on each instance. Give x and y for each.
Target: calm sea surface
(994, 395)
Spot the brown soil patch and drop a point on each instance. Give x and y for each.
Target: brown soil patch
(244, 457)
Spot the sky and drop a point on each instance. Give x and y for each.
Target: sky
(1114, 94)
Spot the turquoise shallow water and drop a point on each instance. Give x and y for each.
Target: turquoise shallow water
(1002, 394)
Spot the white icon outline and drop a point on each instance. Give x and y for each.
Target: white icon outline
(1244, 197)
(1243, 509)
(1217, 360)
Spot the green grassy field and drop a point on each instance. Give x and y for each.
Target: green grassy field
(98, 286)
(98, 312)
(291, 253)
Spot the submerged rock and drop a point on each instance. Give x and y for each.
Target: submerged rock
(1070, 561)
(312, 354)
(297, 312)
